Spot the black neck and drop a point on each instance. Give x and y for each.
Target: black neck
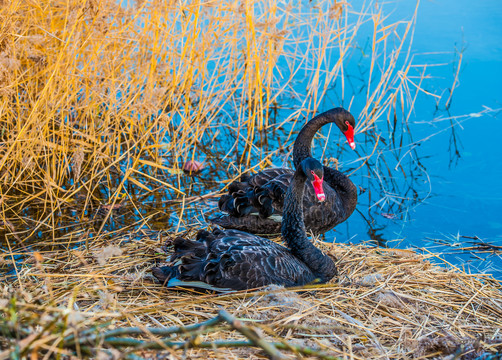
(294, 233)
(344, 187)
(303, 145)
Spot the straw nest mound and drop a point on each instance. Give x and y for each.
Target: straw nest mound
(98, 298)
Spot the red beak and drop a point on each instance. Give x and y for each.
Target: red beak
(317, 184)
(349, 134)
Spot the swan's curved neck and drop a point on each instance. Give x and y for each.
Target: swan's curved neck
(294, 233)
(344, 187)
(303, 144)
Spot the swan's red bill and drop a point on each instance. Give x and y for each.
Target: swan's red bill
(349, 134)
(317, 184)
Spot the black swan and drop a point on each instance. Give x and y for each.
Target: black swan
(234, 260)
(255, 203)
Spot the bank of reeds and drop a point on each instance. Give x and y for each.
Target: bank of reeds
(100, 300)
(101, 104)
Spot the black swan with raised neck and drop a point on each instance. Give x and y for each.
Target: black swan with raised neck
(234, 260)
(255, 204)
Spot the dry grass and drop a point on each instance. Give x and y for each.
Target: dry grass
(386, 304)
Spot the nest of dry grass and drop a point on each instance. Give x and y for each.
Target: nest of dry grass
(385, 304)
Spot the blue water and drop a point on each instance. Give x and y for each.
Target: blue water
(465, 191)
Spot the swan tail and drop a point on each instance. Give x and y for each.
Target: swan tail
(187, 260)
(184, 247)
(193, 257)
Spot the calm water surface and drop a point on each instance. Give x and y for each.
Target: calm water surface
(465, 198)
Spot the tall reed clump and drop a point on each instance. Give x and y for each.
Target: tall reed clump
(102, 103)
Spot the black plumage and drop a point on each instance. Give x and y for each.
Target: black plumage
(255, 204)
(232, 259)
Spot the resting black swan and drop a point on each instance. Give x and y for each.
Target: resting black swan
(235, 260)
(255, 203)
